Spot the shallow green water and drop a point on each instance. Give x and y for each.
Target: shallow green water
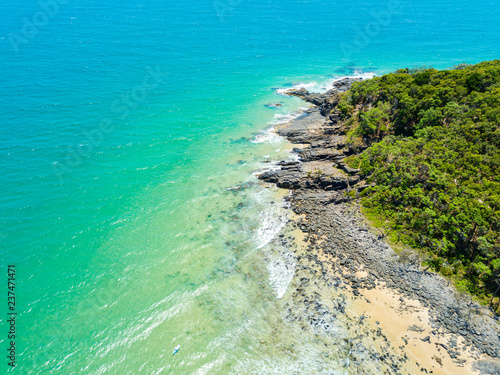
(126, 128)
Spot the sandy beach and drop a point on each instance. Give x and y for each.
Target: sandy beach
(409, 320)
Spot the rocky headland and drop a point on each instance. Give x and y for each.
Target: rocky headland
(388, 297)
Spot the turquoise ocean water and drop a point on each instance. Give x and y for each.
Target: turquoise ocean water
(130, 133)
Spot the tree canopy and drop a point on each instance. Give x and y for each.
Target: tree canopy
(434, 159)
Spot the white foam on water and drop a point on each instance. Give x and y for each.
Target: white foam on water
(306, 85)
(203, 370)
(268, 135)
(267, 167)
(308, 360)
(272, 218)
(148, 319)
(283, 118)
(281, 270)
(322, 86)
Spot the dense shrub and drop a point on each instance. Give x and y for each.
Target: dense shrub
(434, 158)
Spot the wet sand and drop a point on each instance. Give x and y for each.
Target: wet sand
(399, 318)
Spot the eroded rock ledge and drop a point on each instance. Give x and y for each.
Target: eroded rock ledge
(321, 163)
(341, 242)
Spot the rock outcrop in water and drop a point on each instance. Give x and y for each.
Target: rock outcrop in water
(342, 244)
(328, 101)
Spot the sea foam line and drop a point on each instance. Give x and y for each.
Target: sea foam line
(270, 135)
(322, 86)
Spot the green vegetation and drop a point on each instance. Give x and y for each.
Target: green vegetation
(433, 154)
(344, 106)
(316, 174)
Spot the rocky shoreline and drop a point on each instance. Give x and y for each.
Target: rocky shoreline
(344, 253)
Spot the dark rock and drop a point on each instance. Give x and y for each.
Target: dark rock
(316, 99)
(345, 84)
(415, 328)
(335, 228)
(288, 163)
(443, 345)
